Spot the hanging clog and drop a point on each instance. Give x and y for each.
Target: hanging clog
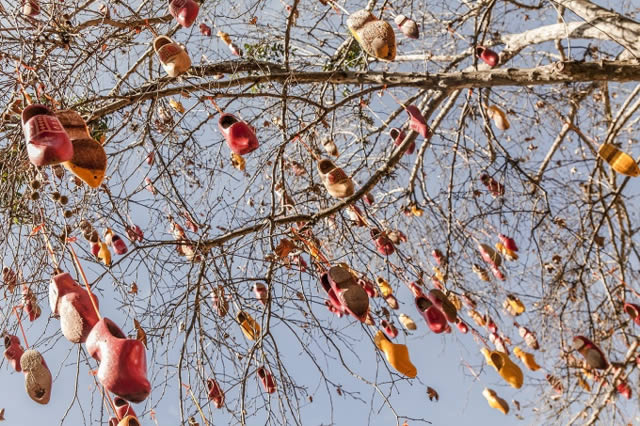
(435, 318)
(73, 305)
(13, 351)
(89, 161)
(220, 302)
(240, 136)
(489, 57)
(397, 355)
(173, 57)
(376, 37)
(215, 393)
(30, 303)
(407, 322)
(591, 353)
(398, 136)
(495, 401)
(509, 371)
(633, 311)
(267, 379)
(260, 290)
(417, 122)
(441, 302)
(250, 328)
(37, 377)
(513, 305)
(336, 181)
(123, 362)
(408, 26)
(619, 161)
(499, 117)
(185, 11)
(350, 295)
(30, 7)
(527, 359)
(73, 124)
(390, 330)
(383, 244)
(123, 408)
(47, 141)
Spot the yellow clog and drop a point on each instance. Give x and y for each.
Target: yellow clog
(397, 355)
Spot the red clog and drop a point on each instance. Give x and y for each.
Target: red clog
(126, 421)
(591, 353)
(489, 57)
(215, 393)
(134, 233)
(495, 188)
(333, 303)
(240, 136)
(624, 389)
(9, 278)
(633, 311)
(464, 328)
(185, 11)
(123, 362)
(398, 136)
(47, 141)
(72, 304)
(443, 303)
(13, 351)
(439, 257)
(123, 408)
(368, 287)
(352, 297)
(408, 26)
(434, 317)
(417, 123)
(205, 30)
(389, 329)
(30, 303)
(118, 244)
(383, 244)
(508, 242)
(260, 290)
(267, 379)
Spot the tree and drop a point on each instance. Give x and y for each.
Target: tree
(512, 149)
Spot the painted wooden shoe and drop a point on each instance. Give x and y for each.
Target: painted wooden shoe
(123, 362)
(240, 136)
(250, 328)
(173, 57)
(509, 371)
(267, 379)
(619, 161)
(383, 244)
(353, 298)
(126, 421)
(443, 303)
(89, 161)
(417, 122)
(488, 56)
(220, 302)
(495, 401)
(398, 136)
(37, 377)
(376, 37)
(397, 355)
(435, 318)
(73, 305)
(13, 351)
(591, 353)
(215, 393)
(123, 408)
(261, 292)
(30, 303)
(408, 26)
(526, 358)
(30, 7)
(499, 117)
(47, 141)
(185, 11)
(73, 124)
(633, 311)
(336, 181)
(513, 305)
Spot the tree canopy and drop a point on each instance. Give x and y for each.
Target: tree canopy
(307, 190)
